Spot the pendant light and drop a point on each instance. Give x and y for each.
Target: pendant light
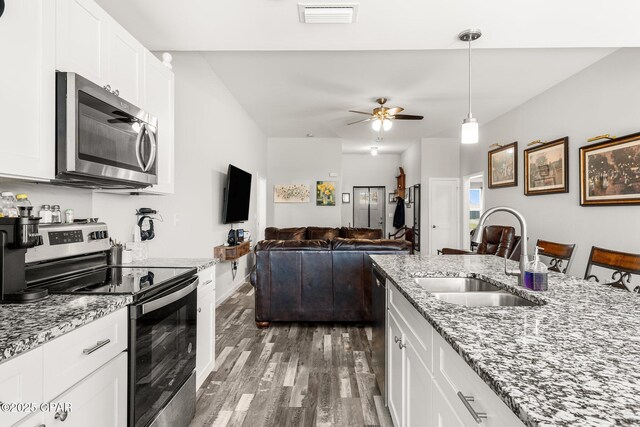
(469, 134)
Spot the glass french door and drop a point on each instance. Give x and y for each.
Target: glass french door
(369, 207)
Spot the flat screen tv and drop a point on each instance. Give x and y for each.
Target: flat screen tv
(237, 194)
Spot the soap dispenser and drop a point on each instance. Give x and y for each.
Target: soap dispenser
(536, 274)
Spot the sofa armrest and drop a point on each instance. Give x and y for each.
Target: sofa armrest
(254, 276)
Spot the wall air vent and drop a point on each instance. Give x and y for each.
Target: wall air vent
(333, 13)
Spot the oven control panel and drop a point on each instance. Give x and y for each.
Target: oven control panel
(65, 240)
(63, 237)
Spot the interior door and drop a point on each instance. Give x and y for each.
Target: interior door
(443, 214)
(369, 207)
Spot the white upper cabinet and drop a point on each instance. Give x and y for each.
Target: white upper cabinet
(91, 43)
(81, 39)
(27, 82)
(158, 101)
(125, 64)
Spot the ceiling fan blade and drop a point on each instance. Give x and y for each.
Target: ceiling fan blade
(395, 110)
(359, 112)
(359, 121)
(407, 117)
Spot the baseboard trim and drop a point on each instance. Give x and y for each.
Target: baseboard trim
(234, 287)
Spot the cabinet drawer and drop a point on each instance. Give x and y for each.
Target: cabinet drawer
(207, 281)
(453, 375)
(417, 325)
(75, 355)
(20, 382)
(100, 400)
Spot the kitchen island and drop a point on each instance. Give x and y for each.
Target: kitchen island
(569, 360)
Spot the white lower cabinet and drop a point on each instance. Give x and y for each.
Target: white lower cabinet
(205, 347)
(98, 400)
(85, 368)
(427, 380)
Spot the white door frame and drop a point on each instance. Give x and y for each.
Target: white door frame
(457, 219)
(261, 220)
(466, 186)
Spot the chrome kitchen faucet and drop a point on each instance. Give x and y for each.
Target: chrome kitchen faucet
(479, 231)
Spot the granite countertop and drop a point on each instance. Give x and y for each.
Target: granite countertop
(199, 263)
(26, 326)
(572, 361)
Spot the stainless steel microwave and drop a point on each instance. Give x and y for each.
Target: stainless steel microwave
(102, 141)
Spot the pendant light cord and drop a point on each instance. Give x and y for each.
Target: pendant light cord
(469, 75)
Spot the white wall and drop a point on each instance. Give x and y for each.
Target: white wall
(303, 161)
(212, 130)
(372, 171)
(440, 158)
(604, 98)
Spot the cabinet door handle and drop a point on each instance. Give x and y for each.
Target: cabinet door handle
(116, 92)
(107, 87)
(199, 309)
(401, 345)
(396, 339)
(477, 416)
(98, 345)
(207, 282)
(61, 415)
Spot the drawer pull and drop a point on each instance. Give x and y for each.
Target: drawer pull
(98, 345)
(61, 415)
(477, 416)
(208, 282)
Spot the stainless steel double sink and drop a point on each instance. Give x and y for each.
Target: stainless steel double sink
(470, 292)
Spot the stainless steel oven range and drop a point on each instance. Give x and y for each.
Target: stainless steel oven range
(162, 317)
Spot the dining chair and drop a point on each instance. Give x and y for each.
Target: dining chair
(558, 254)
(623, 264)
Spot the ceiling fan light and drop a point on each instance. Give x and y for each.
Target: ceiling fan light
(387, 124)
(470, 133)
(374, 151)
(376, 125)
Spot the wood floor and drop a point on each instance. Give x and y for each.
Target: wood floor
(293, 374)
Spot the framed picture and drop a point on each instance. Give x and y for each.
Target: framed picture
(610, 172)
(346, 197)
(392, 197)
(294, 193)
(546, 168)
(325, 193)
(503, 166)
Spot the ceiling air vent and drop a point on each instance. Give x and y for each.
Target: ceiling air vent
(335, 13)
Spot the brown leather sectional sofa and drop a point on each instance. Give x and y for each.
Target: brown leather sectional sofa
(315, 274)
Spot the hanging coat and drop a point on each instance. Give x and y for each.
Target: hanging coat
(398, 216)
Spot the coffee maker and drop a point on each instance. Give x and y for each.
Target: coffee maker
(16, 236)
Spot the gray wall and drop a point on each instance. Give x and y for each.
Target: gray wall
(303, 161)
(604, 98)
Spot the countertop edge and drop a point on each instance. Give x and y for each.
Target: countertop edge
(32, 341)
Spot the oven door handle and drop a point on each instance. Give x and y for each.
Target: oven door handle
(168, 299)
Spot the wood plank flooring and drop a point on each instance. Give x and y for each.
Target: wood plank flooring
(291, 374)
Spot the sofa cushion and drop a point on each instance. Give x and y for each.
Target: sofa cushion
(360, 233)
(324, 233)
(292, 233)
(370, 245)
(293, 245)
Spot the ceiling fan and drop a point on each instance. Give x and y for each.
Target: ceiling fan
(381, 116)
